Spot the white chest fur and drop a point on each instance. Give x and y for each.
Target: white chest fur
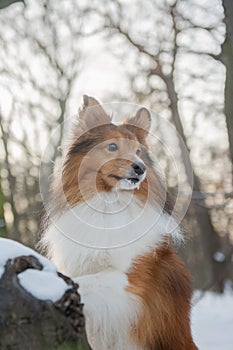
(110, 311)
(108, 231)
(95, 243)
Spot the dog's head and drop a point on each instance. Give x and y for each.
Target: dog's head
(106, 156)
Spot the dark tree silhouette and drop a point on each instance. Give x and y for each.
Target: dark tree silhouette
(226, 58)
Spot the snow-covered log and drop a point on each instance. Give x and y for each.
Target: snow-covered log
(39, 307)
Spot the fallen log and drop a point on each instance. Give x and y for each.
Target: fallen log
(39, 308)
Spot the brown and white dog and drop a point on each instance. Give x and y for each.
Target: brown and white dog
(109, 215)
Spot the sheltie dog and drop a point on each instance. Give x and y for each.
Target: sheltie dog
(108, 232)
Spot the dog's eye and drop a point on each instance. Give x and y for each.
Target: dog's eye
(112, 147)
(138, 152)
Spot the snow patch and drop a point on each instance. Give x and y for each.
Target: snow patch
(212, 322)
(10, 249)
(43, 284)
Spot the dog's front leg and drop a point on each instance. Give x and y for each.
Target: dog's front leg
(110, 311)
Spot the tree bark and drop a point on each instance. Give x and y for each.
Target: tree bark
(5, 3)
(3, 232)
(209, 238)
(28, 323)
(14, 232)
(227, 59)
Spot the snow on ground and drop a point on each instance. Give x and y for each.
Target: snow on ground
(45, 284)
(212, 322)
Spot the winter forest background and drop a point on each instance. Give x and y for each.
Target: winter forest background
(175, 57)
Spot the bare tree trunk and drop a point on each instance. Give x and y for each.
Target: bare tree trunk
(11, 180)
(5, 3)
(227, 59)
(28, 323)
(3, 232)
(209, 238)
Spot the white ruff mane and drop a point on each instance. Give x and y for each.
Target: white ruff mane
(95, 243)
(110, 230)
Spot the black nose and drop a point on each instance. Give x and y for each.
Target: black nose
(139, 168)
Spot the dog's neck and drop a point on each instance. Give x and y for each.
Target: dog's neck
(109, 230)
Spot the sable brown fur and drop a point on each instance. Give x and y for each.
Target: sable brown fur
(163, 284)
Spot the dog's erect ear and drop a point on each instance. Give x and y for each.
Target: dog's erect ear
(92, 114)
(141, 122)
